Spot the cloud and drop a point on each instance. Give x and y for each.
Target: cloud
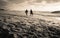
(23, 4)
(7, 3)
(2, 3)
(16, 1)
(48, 1)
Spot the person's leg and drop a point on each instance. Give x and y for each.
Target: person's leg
(26, 13)
(32, 13)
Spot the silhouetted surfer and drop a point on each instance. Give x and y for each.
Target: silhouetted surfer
(26, 12)
(31, 12)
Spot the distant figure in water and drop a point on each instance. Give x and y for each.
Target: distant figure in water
(31, 12)
(26, 12)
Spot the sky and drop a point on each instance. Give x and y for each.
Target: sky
(36, 5)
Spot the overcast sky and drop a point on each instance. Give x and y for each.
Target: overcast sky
(9, 4)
